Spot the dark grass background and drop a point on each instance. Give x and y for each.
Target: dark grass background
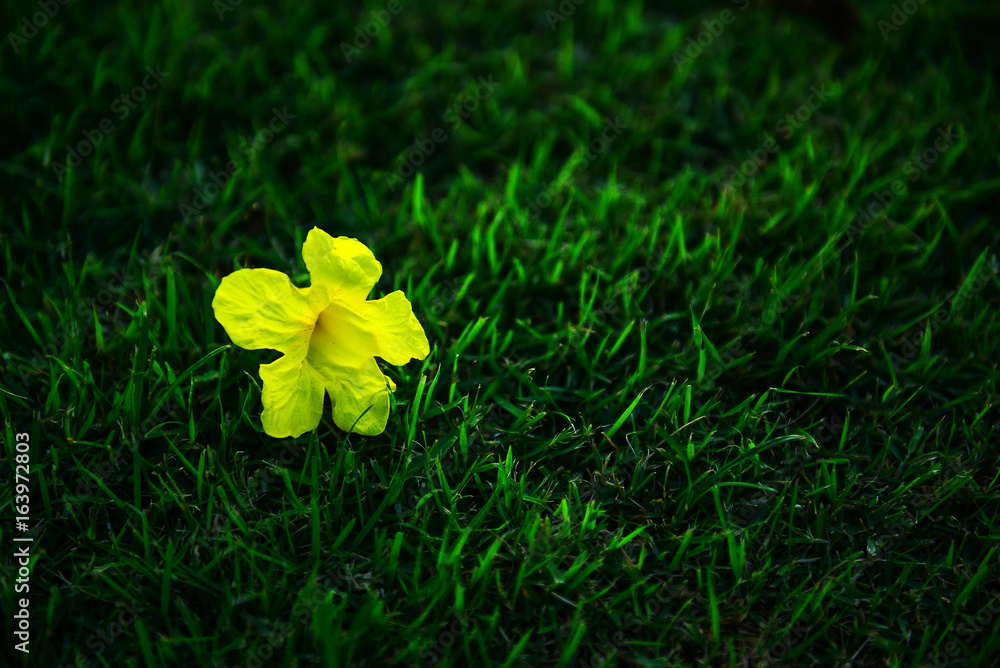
(671, 415)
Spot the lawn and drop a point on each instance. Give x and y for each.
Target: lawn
(711, 294)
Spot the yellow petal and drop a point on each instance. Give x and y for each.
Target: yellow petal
(357, 387)
(260, 308)
(397, 332)
(360, 398)
(292, 396)
(385, 328)
(345, 267)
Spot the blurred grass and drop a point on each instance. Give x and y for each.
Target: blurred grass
(665, 421)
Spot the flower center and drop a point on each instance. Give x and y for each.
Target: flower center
(339, 339)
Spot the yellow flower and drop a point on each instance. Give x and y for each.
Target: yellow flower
(329, 334)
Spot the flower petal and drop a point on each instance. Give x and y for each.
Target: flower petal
(260, 308)
(353, 379)
(292, 396)
(345, 267)
(360, 398)
(397, 332)
(385, 328)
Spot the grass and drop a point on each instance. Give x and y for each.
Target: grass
(671, 416)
